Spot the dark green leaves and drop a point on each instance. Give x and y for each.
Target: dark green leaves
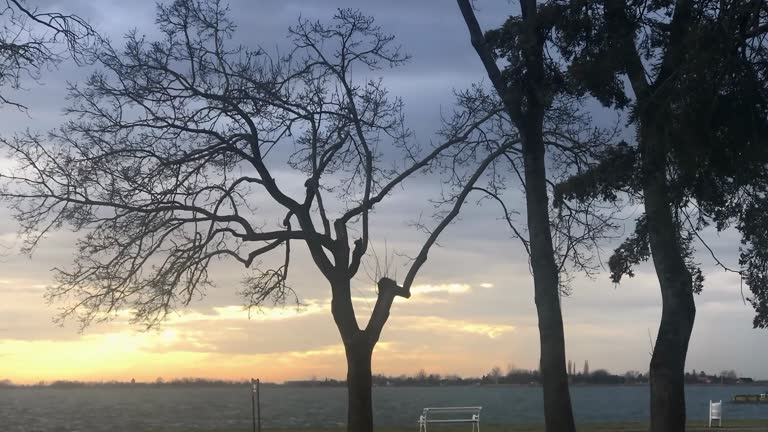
(634, 250)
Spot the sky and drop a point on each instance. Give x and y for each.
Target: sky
(472, 305)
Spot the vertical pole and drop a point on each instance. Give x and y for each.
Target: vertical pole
(253, 404)
(258, 401)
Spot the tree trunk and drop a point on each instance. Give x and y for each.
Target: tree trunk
(667, 370)
(358, 350)
(558, 414)
(528, 116)
(359, 384)
(359, 344)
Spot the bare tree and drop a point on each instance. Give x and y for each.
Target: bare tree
(31, 40)
(171, 143)
(555, 141)
(573, 148)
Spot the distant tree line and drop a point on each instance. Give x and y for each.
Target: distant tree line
(178, 382)
(513, 376)
(725, 377)
(599, 376)
(517, 376)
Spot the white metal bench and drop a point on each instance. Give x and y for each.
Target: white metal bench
(450, 415)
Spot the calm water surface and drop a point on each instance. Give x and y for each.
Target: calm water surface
(174, 409)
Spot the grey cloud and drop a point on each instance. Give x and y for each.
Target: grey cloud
(605, 324)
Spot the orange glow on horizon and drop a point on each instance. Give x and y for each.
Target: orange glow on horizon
(126, 356)
(229, 343)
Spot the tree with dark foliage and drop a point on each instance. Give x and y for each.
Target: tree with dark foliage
(699, 102)
(172, 142)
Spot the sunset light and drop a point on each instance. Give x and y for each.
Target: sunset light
(356, 215)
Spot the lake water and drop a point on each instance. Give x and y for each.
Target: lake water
(199, 408)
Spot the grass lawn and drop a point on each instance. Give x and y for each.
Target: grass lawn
(732, 426)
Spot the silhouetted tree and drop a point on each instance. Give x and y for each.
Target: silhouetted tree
(728, 376)
(31, 40)
(172, 142)
(546, 118)
(495, 375)
(421, 375)
(698, 101)
(631, 377)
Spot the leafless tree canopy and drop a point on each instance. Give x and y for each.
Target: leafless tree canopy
(574, 146)
(31, 40)
(174, 147)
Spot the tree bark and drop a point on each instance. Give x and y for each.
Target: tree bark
(359, 344)
(359, 383)
(358, 351)
(558, 414)
(528, 116)
(667, 369)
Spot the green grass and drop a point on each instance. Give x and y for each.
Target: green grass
(730, 426)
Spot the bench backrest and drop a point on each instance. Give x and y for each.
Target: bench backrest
(715, 410)
(469, 413)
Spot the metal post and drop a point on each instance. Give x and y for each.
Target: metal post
(253, 404)
(258, 402)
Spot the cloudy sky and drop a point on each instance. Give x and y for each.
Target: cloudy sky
(472, 307)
